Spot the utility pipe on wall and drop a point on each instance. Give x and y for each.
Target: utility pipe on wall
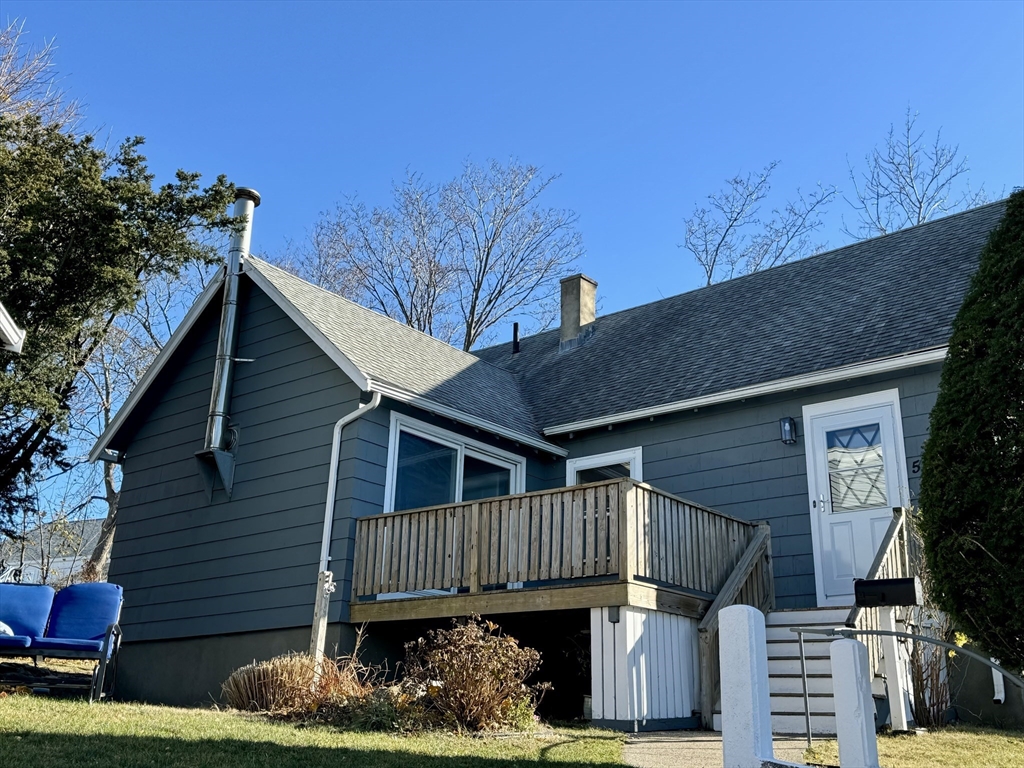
(325, 579)
(216, 458)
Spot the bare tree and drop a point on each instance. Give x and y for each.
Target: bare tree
(450, 260)
(509, 252)
(29, 84)
(728, 237)
(909, 181)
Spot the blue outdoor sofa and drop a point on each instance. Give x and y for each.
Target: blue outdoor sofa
(79, 622)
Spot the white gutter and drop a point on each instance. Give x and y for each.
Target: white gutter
(12, 338)
(464, 418)
(332, 477)
(884, 365)
(325, 579)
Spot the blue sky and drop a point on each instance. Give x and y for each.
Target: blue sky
(643, 108)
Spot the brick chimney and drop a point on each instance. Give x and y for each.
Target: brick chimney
(579, 305)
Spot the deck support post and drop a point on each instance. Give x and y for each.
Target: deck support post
(322, 603)
(627, 530)
(893, 674)
(474, 548)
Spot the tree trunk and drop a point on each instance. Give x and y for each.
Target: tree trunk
(98, 564)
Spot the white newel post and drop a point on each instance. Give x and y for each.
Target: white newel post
(855, 709)
(893, 671)
(746, 707)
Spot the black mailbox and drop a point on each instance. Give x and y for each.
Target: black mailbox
(875, 593)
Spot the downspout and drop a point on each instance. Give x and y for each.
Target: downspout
(325, 578)
(216, 458)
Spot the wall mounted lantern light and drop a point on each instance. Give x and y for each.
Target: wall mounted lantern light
(787, 426)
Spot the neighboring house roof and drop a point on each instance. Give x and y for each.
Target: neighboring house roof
(67, 538)
(11, 336)
(876, 299)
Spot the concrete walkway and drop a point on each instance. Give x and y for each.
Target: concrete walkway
(694, 749)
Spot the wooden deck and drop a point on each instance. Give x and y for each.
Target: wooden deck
(616, 542)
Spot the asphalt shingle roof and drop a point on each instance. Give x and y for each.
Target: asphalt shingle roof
(392, 353)
(873, 299)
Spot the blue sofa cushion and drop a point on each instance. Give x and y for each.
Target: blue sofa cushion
(14, 641)
(25, 608)
(84, 611)
(65, 644)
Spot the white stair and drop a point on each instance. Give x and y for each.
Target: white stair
(784, 680)
(785, 683)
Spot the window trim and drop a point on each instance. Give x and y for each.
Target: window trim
(632, 456)
(462, 445)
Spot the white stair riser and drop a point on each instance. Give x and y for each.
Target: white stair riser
(792, 667)
(793, 685)
(821, 725)
(811, 648)
(818, 704)
(781, 632)
(808, 617)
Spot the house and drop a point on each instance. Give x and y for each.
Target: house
(51, 553)
(602, 488)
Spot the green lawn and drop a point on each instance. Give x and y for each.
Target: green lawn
(53, 733)
(960, 747)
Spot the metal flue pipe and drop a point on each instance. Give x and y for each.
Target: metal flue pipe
(217, 436)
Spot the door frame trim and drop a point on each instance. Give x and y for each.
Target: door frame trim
(886, 397)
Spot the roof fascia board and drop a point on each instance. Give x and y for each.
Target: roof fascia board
(326, 345)
(396, 393)
(157, 365)
(832, 375)
(11, 335)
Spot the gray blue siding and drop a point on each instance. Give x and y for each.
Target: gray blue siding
(730, 458)
(190, 567)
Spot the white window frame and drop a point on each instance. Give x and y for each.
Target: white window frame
(463, 446)
(632, 456)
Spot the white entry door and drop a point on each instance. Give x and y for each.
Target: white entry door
(856, 474)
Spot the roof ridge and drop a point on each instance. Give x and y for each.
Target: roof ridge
(773, 269)
(357, 305)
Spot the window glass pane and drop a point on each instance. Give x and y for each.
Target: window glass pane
(856, 468)
(426, 473)
(596, 474)
(481, 480)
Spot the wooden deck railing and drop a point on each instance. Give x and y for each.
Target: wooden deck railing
(614, 528)
(751, 582)
(893, 561)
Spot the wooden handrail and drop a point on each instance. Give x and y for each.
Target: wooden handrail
(738, 588)
(892, 536)
(617, 528)
(731, 589)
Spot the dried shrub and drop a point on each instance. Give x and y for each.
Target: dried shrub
(292, 685)
(473, 677)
